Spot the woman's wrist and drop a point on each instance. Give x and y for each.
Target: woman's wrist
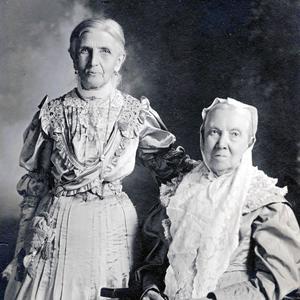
(152, 287)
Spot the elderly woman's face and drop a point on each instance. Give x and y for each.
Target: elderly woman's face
(98, 56)
(226, 138)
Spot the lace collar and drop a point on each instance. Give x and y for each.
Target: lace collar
(106, 91)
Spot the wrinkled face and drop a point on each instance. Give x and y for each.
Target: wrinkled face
(98, 56)
(226, 138)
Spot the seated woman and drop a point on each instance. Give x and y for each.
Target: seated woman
(233, 234)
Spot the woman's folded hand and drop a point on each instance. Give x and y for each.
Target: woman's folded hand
(152, 295)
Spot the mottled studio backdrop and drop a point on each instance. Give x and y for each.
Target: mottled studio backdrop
(181, 55)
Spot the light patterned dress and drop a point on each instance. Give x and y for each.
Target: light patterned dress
(78, 228)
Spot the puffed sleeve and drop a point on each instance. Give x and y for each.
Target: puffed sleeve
(157, 150)
(35, 158)
(276, 237)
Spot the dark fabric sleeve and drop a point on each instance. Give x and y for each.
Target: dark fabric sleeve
(277, 257)
(155, 245)
(158, 152)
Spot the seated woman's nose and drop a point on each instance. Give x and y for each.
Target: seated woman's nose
(223, 140)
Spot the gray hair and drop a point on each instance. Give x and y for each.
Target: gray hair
(107, 25)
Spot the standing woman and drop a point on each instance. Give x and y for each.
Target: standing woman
(77, 227)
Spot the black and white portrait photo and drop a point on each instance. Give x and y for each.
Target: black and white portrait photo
(149, 149)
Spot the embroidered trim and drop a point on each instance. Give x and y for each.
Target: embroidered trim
(53, 112)
(52, 116)
(166, 224)
(53, 122)
(263, 191)
(169, 189)
(132, 116)
(131, 119)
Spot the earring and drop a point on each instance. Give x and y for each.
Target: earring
(76, 71)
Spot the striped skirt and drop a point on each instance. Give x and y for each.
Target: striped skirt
(94, 242)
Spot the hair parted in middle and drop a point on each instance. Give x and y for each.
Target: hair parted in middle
(107, 25)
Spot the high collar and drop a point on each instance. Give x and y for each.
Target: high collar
(103, 93)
